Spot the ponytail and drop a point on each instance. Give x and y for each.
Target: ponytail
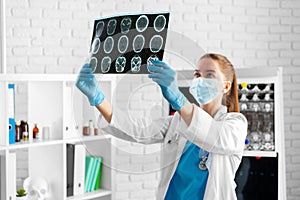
(232, 98)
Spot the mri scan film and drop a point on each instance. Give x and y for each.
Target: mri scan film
(125, 43)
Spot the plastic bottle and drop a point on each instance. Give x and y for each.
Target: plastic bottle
(91, 127)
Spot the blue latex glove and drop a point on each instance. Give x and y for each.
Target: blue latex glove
(87, 84)
(165, 77)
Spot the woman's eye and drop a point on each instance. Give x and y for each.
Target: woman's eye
(210, 75)
(196, 75)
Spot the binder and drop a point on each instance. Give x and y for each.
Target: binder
(11, 129)
(70, 169)
(11, 112)
(94, 174)
(70, 132)
(79, 169)
(11, 174)
(97, 185)
(2, 174)
(89, 161)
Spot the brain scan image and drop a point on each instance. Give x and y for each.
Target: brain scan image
(156, 43)
(123, 44)
(125, 25)
(126, 43)
(105, 64)
(120, 64)
(138, 43)
(151, 58)
(136, 63)
(99, 28)
(142, 23)
(111, 26)
(93, 63)
(95, 45)
(159, 23)
(108, 44)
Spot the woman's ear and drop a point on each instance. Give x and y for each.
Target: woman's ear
(227, 86)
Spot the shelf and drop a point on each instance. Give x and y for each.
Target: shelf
(88, 138)
(260, 153)
(36, 143)
(33, 143)
(91, 195)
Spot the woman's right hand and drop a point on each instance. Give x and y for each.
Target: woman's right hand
(87, 84)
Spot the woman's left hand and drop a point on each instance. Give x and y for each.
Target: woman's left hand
(165, 77)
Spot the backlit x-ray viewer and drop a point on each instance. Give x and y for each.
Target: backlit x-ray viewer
(203, 145)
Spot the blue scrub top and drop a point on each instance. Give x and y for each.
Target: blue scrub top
(188, 181)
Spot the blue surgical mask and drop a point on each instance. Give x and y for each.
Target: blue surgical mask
(204, 90)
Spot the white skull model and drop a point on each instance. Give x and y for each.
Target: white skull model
(136, 63)
(37, 188)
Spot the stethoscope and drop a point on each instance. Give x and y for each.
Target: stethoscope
(203, 155)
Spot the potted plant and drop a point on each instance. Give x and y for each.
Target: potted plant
(21, 194)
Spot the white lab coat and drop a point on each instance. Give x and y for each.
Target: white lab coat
(223, 136)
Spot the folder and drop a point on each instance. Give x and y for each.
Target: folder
(11, 129)
(94, 174)
(97, 185)
(70, 131)
(70, 169)
(11, 175)
(79, 169)
(2, 174)
(89, 161)
(11, 112)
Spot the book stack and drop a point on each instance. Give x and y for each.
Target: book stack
(93, 165)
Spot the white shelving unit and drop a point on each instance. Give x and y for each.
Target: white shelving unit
(54, 101)
(270, 76)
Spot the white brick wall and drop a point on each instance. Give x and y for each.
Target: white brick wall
(53, 37)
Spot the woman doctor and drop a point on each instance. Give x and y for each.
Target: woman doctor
(203, 146)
